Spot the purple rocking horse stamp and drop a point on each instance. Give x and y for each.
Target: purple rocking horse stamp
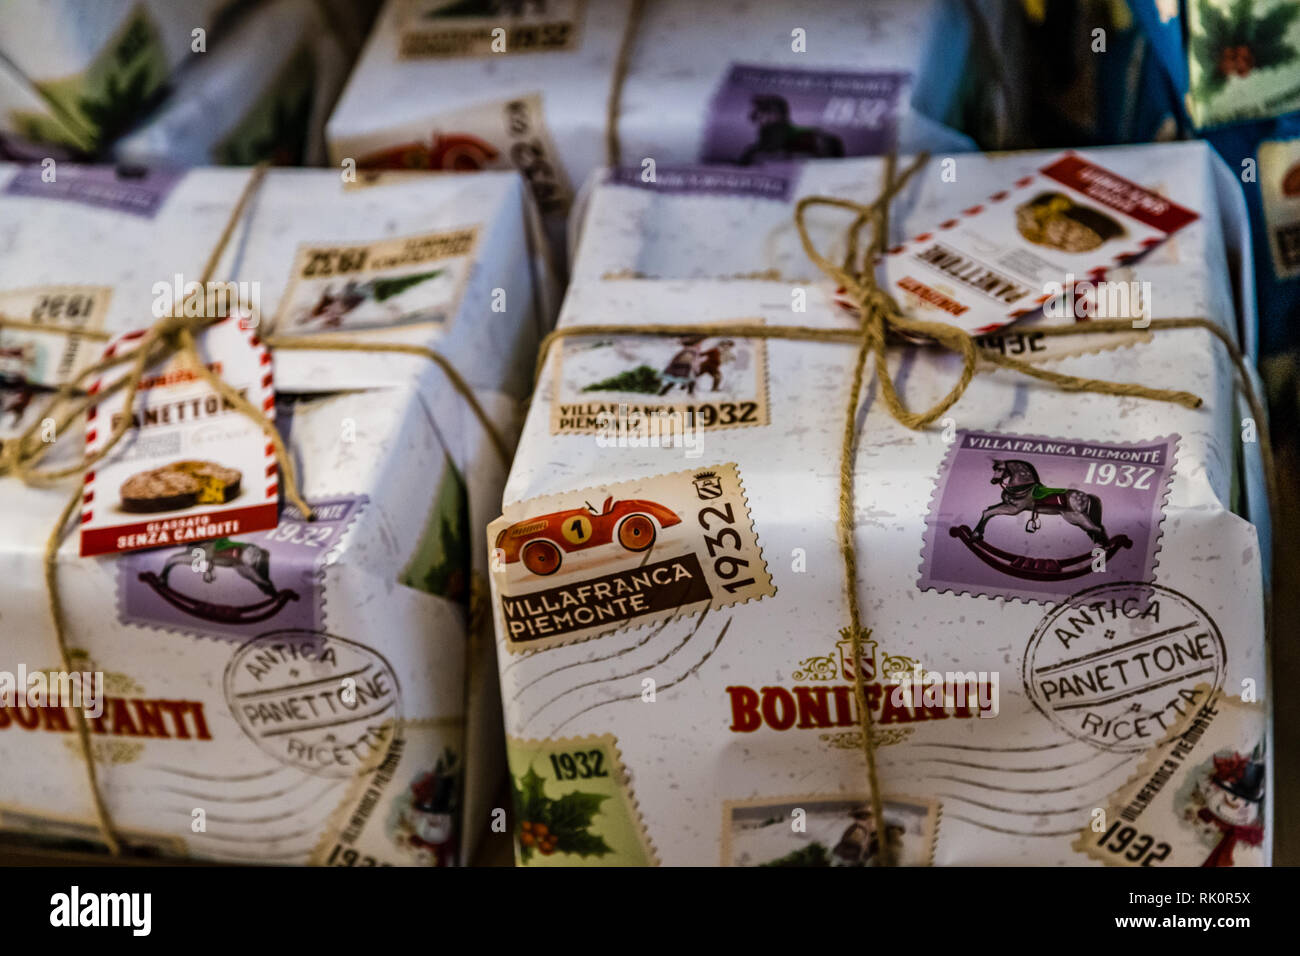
(233, 589)
(1026, 516)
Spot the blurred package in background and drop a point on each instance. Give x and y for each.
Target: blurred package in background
(1223, 70)
(198, 81)
(729, 82)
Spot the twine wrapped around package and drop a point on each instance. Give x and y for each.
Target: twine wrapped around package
(167, 338)
(880, 322)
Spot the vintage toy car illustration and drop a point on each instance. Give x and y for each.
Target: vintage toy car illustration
(542, 542)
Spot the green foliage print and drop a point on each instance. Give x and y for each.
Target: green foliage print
(1237, 42)
(642, 379)
(560, 825)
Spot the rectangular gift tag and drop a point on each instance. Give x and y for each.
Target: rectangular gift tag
(191, 467)
(1002, 259)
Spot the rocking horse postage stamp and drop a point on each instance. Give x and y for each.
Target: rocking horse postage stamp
(234, 588)
(567, 570)
(657, 388)
(1197, 798)
(1058, 510)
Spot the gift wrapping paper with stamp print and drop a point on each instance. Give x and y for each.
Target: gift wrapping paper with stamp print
(722, 82)
(1054, 584)
(301, 693)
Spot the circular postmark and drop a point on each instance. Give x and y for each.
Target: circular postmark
(1116, 665)
(314, 701)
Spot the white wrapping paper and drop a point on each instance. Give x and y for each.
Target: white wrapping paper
(674, 652)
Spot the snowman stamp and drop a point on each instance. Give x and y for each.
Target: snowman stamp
(406, 810)
(1059, 509)
(1197, 798)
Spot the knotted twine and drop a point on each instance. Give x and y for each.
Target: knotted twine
(170, 337)
(879, 321)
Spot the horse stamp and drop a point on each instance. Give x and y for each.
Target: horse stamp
(222, 588)
(836, 831)
(566, 570)
(574, 804)
(1197, 798)
(1060, 509)
(658, 387)
(314, 701)
(1118, 665)
(761, 114)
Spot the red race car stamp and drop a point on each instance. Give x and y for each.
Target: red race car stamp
(569, 570)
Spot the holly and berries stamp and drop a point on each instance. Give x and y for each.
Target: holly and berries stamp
(574, 804)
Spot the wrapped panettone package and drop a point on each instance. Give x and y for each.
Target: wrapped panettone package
(471, 85)
(1062, 648)
(271, 688)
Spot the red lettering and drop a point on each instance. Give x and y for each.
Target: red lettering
(772, 697)
(744, 710)
(814, 707)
